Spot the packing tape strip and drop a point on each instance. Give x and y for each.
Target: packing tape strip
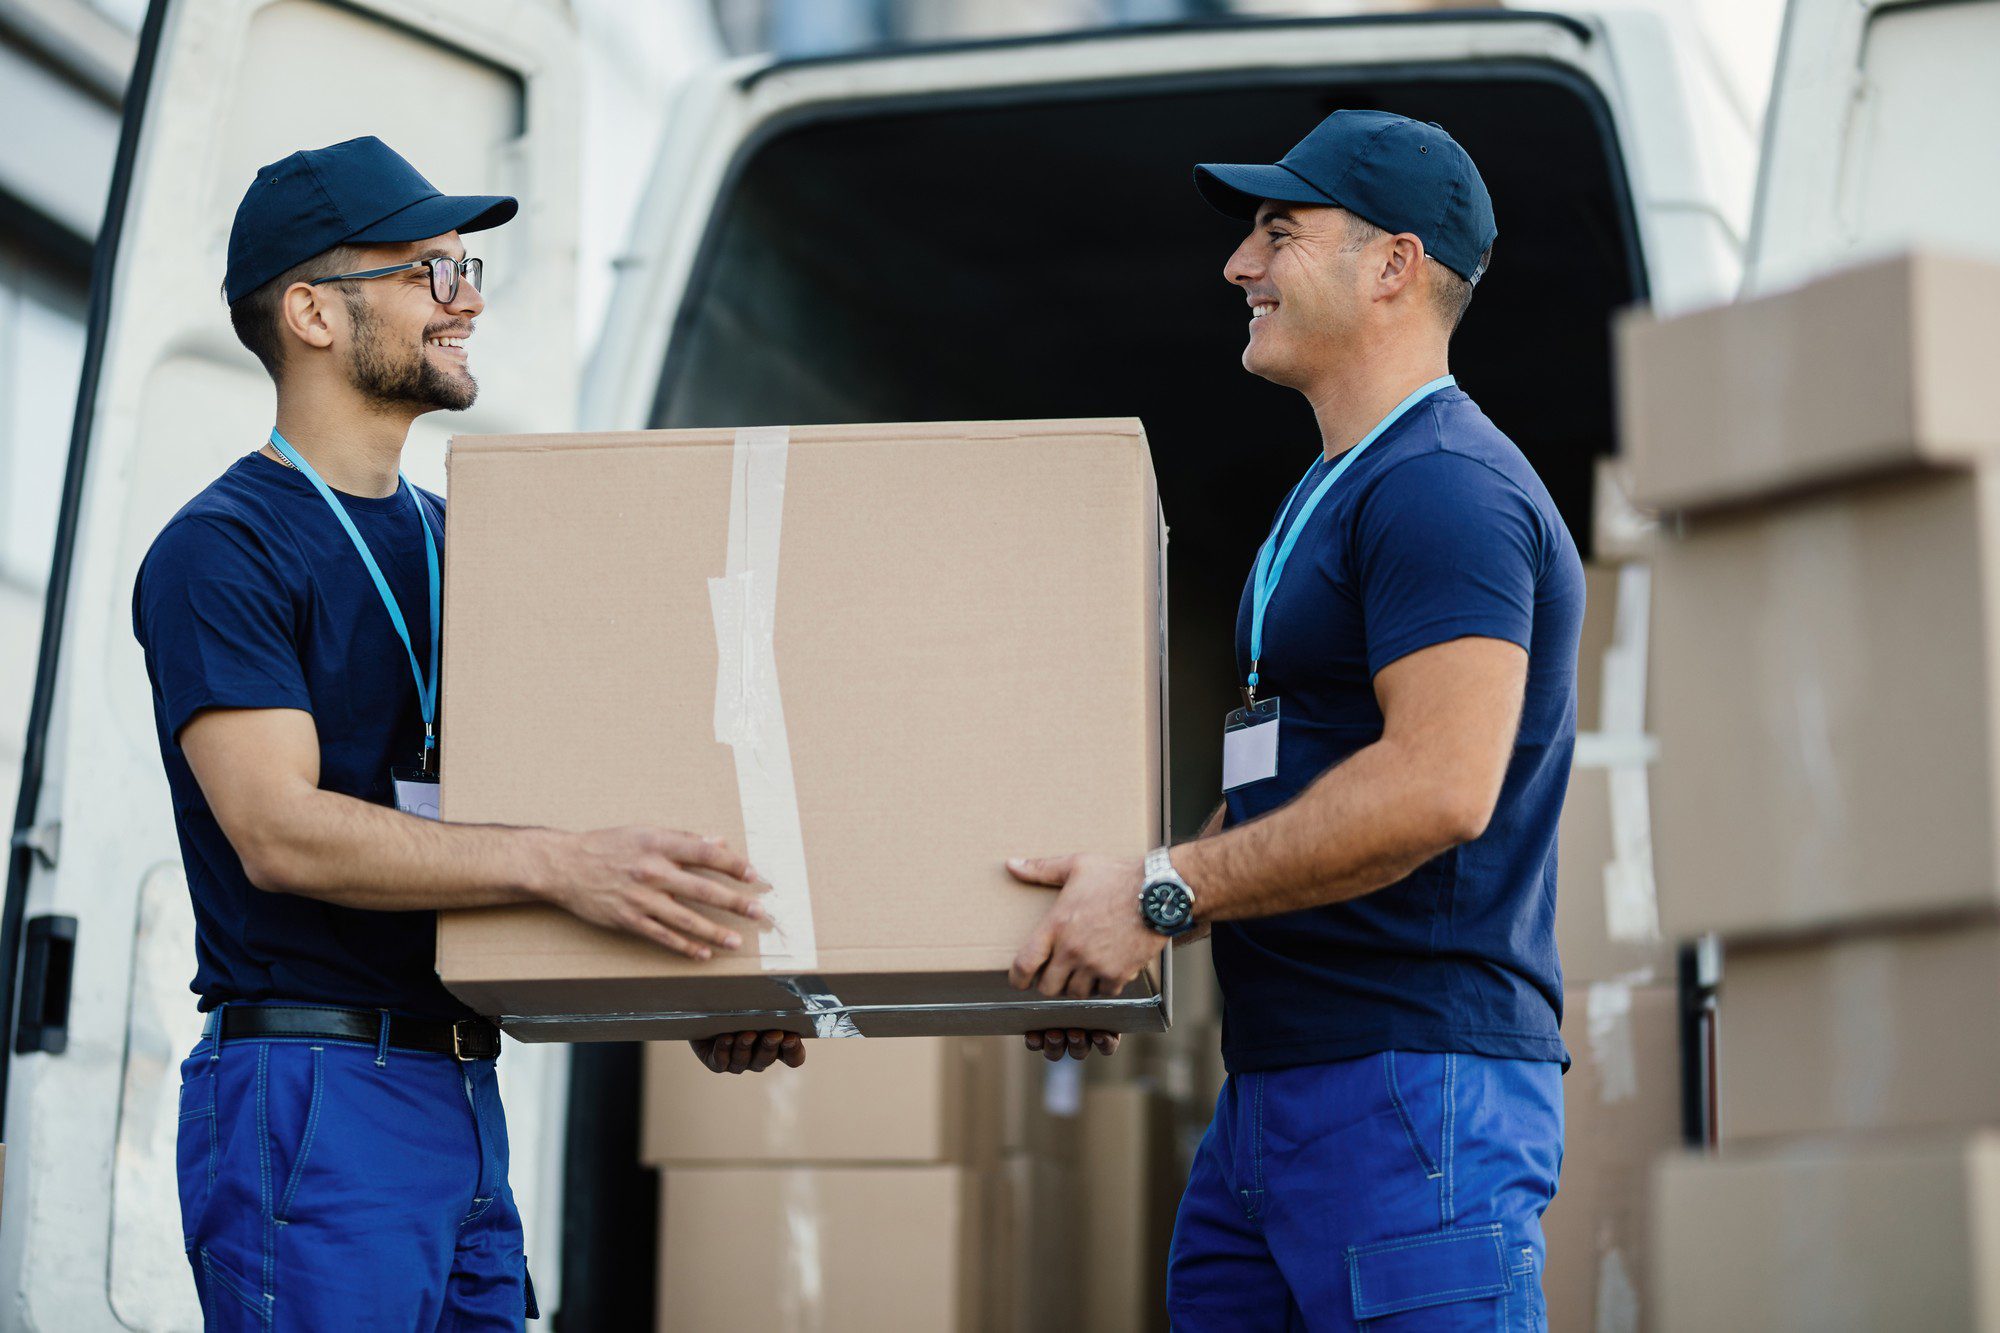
(1046, 1013)
(830, 1017)
(749, 713)
(802, 1276)
(1613, 1050)
(1618, 1307)
(1631, 897)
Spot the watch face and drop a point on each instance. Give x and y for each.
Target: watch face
(1167, 904)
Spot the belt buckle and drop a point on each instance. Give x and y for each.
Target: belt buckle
(458, 1042)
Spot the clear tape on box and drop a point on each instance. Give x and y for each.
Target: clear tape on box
(749, 710)
(1621, 746)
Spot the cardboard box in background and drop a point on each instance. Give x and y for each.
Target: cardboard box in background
(1872, 369)
(1889, 1233)
(1131, 1192)
(914, 1100)
(1034, 1247)
(1826, 672)
(832, 1249)
(1880, 1031)
(1621, 1111)
(868, 635)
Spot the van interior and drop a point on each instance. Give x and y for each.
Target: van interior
(1052, 259)
(1045, 254)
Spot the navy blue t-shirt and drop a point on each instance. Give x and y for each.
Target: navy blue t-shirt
(253, 596)
(1439, 530)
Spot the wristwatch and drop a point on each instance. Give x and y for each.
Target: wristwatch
(1165, 899)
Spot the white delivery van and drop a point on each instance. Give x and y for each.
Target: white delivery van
(1001, 229)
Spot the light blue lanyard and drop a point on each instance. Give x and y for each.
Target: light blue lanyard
(1273, 554)
(426, 694)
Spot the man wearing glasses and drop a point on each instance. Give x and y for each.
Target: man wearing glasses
(343, 1156)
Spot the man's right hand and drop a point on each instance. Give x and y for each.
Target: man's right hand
(642, 880)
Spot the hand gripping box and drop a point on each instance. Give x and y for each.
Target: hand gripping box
(880, 659)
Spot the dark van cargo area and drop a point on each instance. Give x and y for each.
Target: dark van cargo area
(1044, 254)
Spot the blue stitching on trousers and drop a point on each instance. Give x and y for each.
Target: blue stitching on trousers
(1430, 1168)
(1450, 1133)
(270, 1228)
(305, 1140)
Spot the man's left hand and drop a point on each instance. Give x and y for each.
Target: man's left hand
(1093, 940)
(750, 1052)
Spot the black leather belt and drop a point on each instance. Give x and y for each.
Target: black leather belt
(467, 1039)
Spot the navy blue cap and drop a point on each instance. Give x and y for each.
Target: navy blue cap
(359, 192)
(1400, 174)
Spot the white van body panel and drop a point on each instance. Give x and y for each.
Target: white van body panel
(1882, 134)
(1688, 163)
(489, 106)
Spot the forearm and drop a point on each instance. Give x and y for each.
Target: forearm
(1361, 826)
(323, 845)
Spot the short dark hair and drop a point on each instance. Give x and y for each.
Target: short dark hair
(254, 315)
(1451, 293)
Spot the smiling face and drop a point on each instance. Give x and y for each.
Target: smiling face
(1304, 271)
(405, 349)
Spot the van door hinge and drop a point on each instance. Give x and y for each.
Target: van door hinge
(44, 840)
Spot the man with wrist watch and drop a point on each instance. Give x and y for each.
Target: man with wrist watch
(1379, 881)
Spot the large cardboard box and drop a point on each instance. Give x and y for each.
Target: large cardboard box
(832, 1249)
(1878, 1031)
(1863, 371)
(919, 1100)
(880, 658)
(1131, 1192)
(1826, 676)
(1891, 1233)
(1621, 1111)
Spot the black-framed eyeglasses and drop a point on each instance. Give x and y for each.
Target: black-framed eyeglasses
(445, 273)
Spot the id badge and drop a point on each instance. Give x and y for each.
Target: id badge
(1250, 744)
(416, 792)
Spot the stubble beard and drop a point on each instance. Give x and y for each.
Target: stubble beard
(400, 377)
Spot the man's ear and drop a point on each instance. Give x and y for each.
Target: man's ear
(305, 313)
(1399, 266)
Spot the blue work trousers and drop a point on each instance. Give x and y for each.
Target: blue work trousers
(1395, 1193)
(331, 1185)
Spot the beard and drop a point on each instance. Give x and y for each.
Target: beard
(399, 376)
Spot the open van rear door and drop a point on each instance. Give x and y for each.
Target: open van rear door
(1881, 135)
(482, 98)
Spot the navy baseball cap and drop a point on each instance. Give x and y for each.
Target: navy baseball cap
(360, 192)
(1400, 174)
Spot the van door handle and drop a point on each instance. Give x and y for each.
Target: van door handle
(47, 966)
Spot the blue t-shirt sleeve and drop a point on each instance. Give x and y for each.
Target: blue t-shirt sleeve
(1446, 548)
(217, 622)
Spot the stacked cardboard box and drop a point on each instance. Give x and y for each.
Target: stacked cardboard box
(1621, 1099)
(930, 1183)
(1826, 703)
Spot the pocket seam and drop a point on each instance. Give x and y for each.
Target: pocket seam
(1429, 1167)
(313, 1106)
(220, 1274)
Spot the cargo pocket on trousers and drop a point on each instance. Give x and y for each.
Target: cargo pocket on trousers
(1462, 1268)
